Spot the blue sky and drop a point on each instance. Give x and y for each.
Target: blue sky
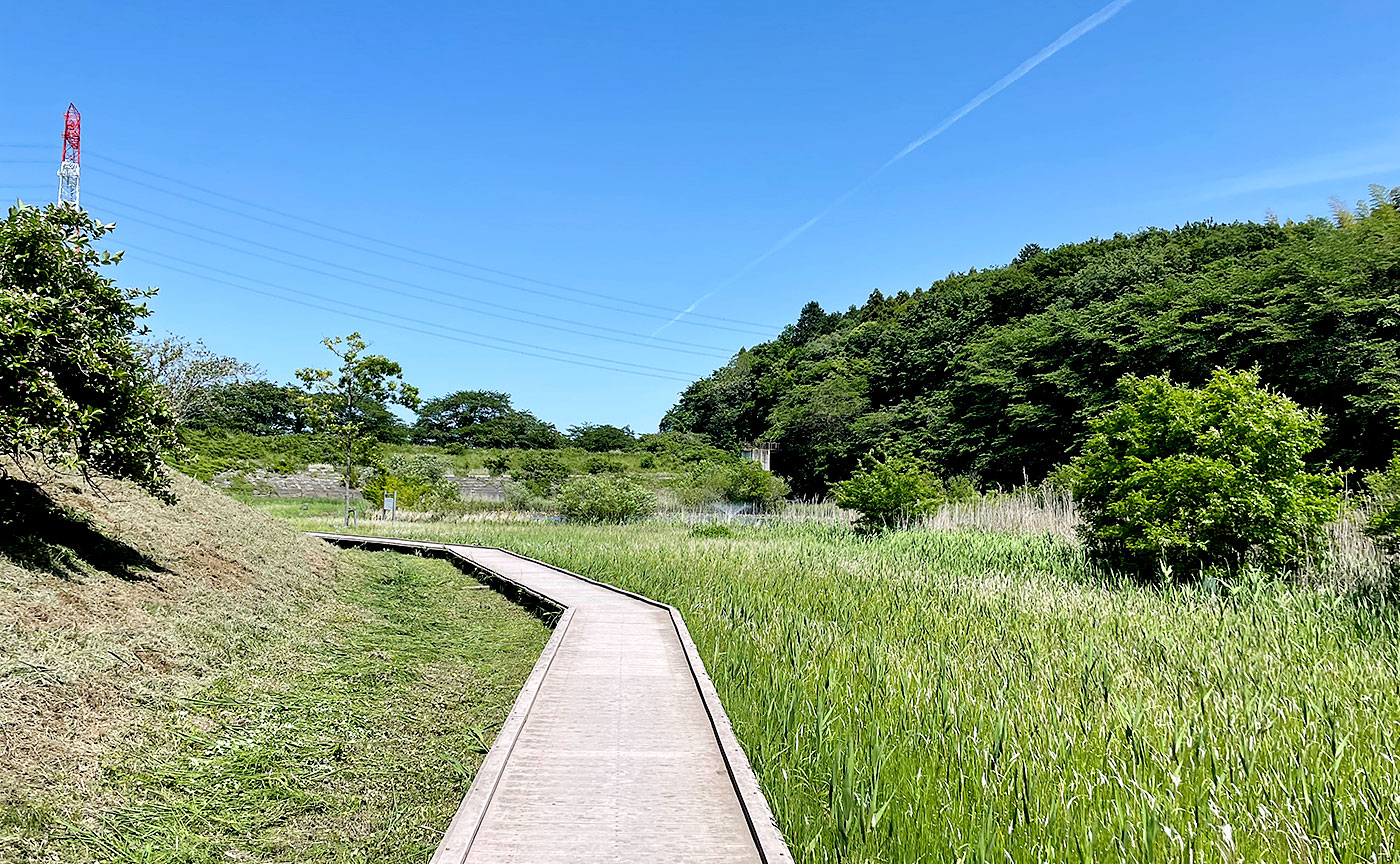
(639, 156)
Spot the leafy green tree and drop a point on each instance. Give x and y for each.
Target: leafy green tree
(602, 438)
(72, 384)
(539, 471)
(604, 498)
(481, 418)
(255, 407)
(999, 372)
(1196, 478)
(338, 401)
(890, 490)
(1384, 522)
(188, 371)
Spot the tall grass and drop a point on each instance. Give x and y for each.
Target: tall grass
(967, 695)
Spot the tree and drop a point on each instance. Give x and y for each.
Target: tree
(602, 438)
(188, 371)
(481, 418)
(255, 407)
(889, 490)
(337, 401)
(1198, 478)
(72, 385)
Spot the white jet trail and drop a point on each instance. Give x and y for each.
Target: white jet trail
(1066, 39)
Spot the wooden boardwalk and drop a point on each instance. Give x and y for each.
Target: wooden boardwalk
(617, 749)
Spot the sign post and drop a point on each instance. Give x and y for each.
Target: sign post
(391, 504)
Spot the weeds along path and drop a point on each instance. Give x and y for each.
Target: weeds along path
(618, 748)
(932, 696)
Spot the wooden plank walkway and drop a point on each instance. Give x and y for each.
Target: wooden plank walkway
(617, 749)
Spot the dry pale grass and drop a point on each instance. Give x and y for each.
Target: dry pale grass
(92, 644)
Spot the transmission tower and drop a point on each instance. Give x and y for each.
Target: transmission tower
(68, 169)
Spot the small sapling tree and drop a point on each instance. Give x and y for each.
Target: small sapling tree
(1187, 479)
(335, 399)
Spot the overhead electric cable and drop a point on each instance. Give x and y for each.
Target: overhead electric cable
(686, 376)
(664, 313)
(706, 350)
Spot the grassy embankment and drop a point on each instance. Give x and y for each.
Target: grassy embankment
(962, 696)
(199, 683)
(211, 452)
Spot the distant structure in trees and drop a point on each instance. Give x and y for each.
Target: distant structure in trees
(758, 451)
(68, 168)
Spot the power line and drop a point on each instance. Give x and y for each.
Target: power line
(529, 350)
(401, 293)
(707, 350)
(730, 323)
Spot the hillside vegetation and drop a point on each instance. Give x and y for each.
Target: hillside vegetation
(198, 682)
(998, 372)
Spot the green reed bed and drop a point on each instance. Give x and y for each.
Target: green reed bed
(959, 696)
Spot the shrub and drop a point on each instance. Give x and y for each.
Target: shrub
(603, 465)
(711, 529)
(419, 481)
(647, 461)
(1384, 523)
(890, 490)
(72, 386)
(602, 498)
(497, 464)
(1194, 479)
(746, 482)
(520, 498)
(539, 471)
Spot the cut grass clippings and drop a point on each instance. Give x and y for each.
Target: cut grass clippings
(351, 736)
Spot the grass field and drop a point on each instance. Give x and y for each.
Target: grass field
(199, 683)
(965, 696)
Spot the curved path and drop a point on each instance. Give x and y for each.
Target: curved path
(617, 749)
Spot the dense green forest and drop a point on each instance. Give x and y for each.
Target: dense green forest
(997, 372)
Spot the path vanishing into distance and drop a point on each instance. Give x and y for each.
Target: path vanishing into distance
(617, 749)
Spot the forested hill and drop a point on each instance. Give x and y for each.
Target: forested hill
(997, 372)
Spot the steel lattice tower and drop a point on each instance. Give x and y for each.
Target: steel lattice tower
(68, 169)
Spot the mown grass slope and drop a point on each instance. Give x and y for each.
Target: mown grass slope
(968, 696)
(200, 682)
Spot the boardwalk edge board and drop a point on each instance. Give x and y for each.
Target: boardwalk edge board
(767, 837)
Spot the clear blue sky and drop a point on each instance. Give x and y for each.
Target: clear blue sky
(650, 151)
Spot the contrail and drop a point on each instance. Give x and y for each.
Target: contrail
(1066, 39)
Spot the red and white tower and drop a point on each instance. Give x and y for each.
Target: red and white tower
(68, 169)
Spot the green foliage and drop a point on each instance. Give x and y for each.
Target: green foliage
(497, 464)
(1384, 522)
(208, 452)
(603, 498)
(998, 372)
(602, 438)
(891, 490)
(341, 403)
(680, 449)
(931, 696)
(539, 471)
(72, 385)
(187, 371)
(481, 418)
(746, 482)
(419, 481)
(1191, 478)
(603, 465)
(253, 407)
